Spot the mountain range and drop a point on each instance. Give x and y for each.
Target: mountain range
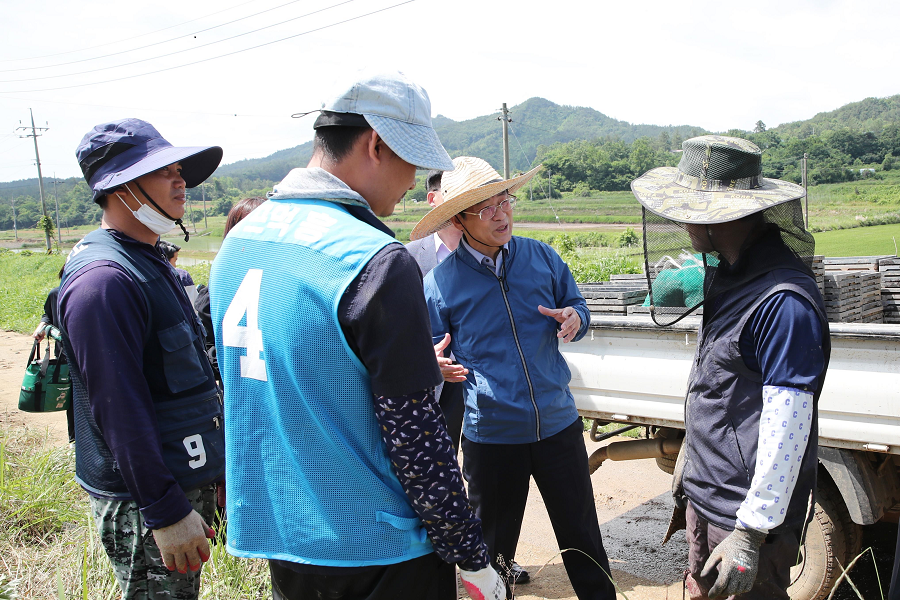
(533, 123)
(540, 122)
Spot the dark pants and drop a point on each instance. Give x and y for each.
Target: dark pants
(453, 405)
(894, 592)
(776, 556)
(425, 578)
(70, 422)
(498, 477)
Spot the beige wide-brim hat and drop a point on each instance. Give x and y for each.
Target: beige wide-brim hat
(719, 179)
(471, 181)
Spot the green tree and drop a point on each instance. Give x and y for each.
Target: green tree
(760, 127)
(642, 157)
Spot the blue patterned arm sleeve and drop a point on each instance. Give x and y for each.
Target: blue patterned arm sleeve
(415, 433)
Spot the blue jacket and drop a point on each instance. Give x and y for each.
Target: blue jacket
(517, 389)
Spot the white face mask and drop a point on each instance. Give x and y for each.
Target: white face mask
(151, 219)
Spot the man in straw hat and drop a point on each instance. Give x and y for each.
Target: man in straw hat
(506, 303)
(149, 447)
(429, 252)
(747, 468)
(341, 472)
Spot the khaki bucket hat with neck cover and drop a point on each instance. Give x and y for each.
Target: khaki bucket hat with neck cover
(719, 179)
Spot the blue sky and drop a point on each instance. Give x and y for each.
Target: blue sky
(712, 64)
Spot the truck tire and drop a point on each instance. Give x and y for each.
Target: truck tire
(667, 463)
(826, 543)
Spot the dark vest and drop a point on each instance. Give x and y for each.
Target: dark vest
(181, 383)
(724, 404)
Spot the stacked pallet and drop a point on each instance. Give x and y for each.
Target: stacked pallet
(842, 297)
(853, 263)
(890, 304)
(614, 297)
(818, 269)
(853, 296)
(890, 289)
(871, 309)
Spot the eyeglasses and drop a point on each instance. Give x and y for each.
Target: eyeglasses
(487, 213)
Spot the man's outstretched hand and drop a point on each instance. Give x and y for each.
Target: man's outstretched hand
(452, 372)
(568, 319)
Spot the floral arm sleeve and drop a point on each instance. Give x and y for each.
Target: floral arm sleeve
(415, 433)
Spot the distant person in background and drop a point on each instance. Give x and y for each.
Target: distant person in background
(428, 252)
(50, 318)
(201, 302)
(170, 251)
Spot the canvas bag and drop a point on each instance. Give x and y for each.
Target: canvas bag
(46, 386)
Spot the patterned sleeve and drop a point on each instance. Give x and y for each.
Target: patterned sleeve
(415, 433)
(784, 427)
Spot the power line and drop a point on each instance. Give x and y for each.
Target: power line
(186, 112)
(134, 62)
(196, 62)
(194, 33)
(134, 37)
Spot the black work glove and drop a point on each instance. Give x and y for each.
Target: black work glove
(738, 559)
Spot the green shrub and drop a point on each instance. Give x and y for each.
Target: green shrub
(629, 238)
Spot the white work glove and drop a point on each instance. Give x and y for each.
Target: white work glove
(484, 584)
(183, 545)
(738, 559)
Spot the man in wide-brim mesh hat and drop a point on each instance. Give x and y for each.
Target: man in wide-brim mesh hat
(507, 302)
(748, 464)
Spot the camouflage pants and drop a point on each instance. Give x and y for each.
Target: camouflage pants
(135, 558)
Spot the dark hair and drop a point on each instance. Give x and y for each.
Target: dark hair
(241, 210)
(336, 142)
(168, 249)
(433, 181)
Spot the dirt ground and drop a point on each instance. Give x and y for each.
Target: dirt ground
(632, 500)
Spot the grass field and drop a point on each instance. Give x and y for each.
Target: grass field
(861, 241)
(47, 537)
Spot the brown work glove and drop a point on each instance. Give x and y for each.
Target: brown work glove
(183, 545)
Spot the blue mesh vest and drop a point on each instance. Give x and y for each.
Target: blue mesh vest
(178, 374)
(724, 404)
(309, 479)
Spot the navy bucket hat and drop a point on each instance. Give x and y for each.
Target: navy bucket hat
(115, 153)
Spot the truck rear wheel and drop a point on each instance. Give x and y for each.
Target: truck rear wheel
(830, 537)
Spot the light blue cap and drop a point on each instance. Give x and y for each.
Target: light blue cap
(400, 112)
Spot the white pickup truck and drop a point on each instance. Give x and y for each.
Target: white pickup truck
(627, 370)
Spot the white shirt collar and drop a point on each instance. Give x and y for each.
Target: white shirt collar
(440, 248)
(485, 260)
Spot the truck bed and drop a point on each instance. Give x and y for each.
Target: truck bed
(626, 369)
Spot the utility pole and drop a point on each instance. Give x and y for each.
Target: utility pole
(549, 183)
(506, 121)
(34, 134)
(203, 193)
(804, 184)
(58, 222)
(15, 227)
(191, 213)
